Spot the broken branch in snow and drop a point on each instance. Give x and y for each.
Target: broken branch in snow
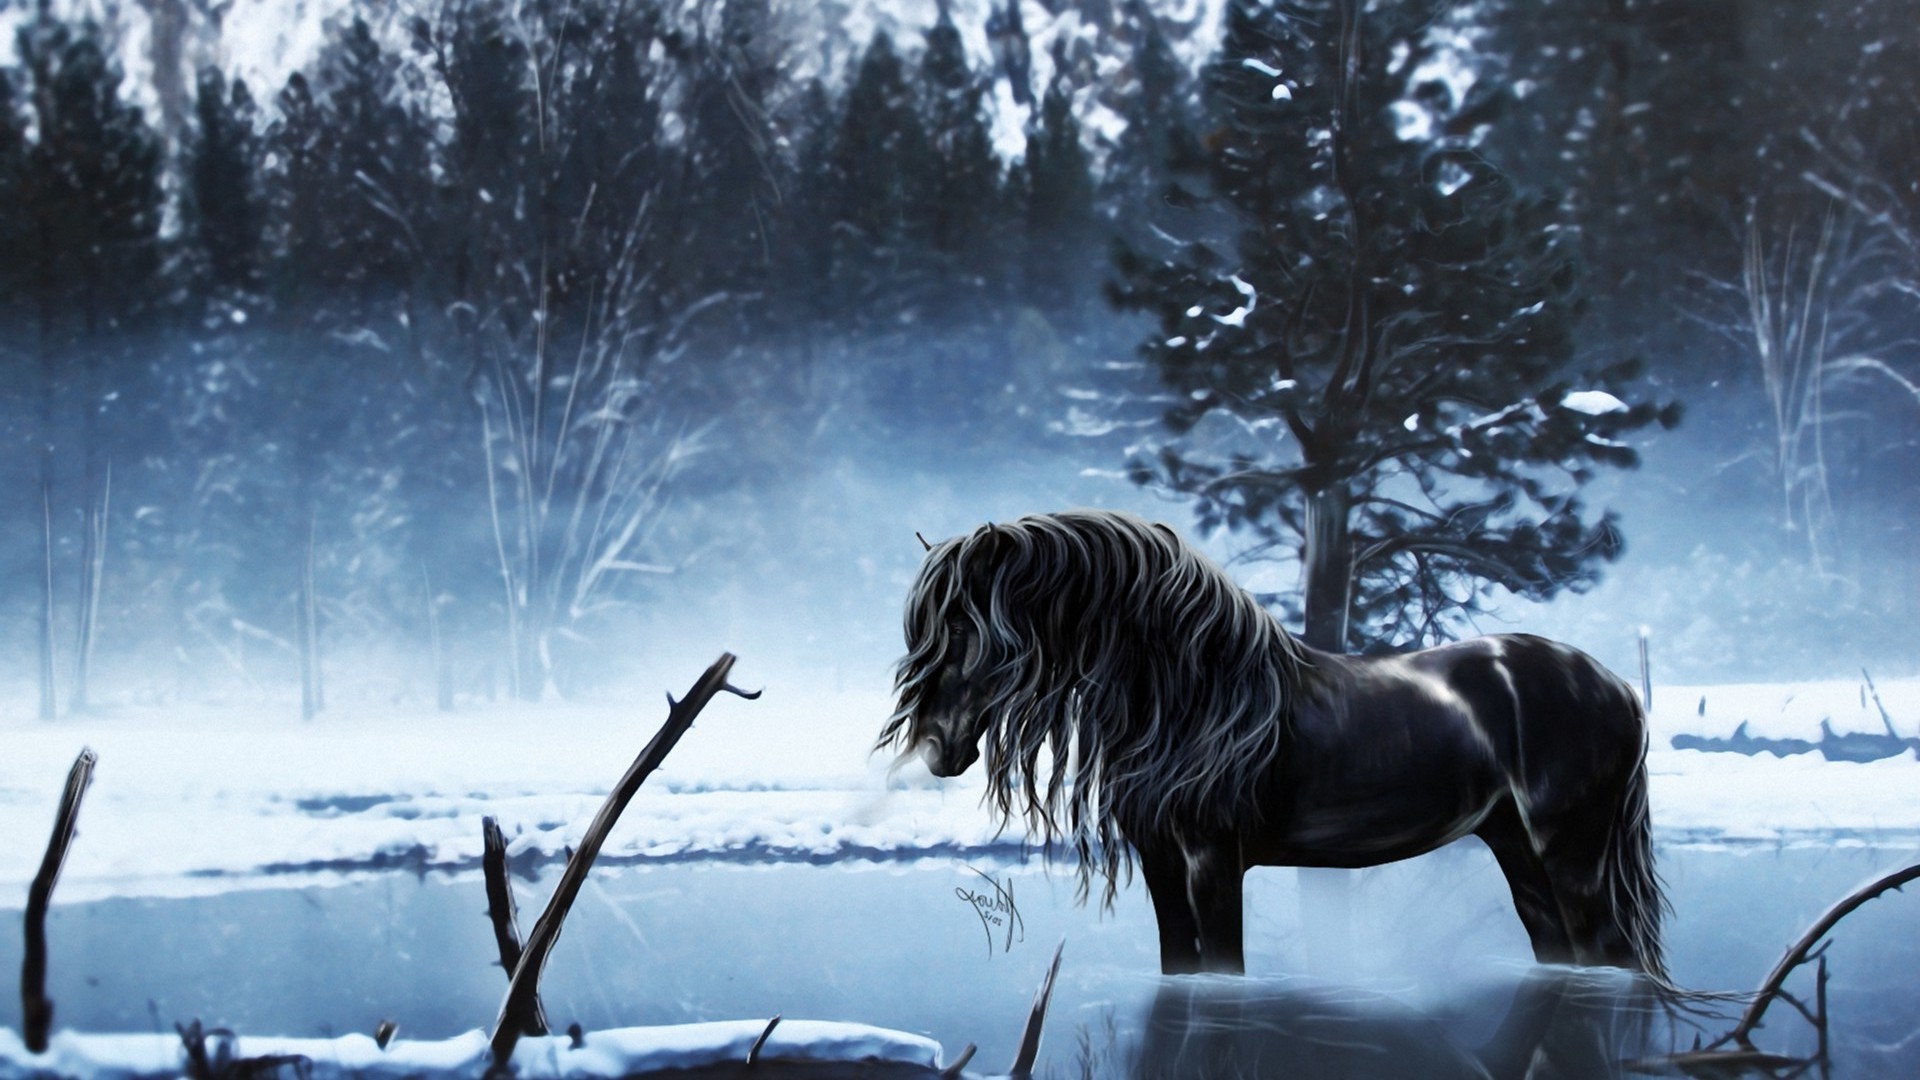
(36, 1009)
(1802, 951)
(1884, 718)
(1037, 1019)
(504, 915)
(759, 1044)
(953, 1071)
(546, 931)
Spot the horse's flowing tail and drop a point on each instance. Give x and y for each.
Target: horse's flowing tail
(1638, 900)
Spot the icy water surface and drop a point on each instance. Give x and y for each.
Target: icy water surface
(1431, 978)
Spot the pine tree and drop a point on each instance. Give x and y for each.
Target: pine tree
(16, 270)
(1157, 143)
(731, 187)
(1375, 362)
(1062, 243)
(963, 198)
(806, 260)
(93, 192)
(223, 176)
(349, 192)
(879, 162)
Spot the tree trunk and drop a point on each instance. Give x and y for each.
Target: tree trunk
(47, 699)
(46, 289)
(312, 698)
(93, 566)
(442, 666)
(1329, 569)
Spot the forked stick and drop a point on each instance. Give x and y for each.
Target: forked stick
(504, 915)
(1798, 954)
(36, 1008)
(546, 931)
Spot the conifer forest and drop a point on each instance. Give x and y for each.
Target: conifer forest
(463, 349)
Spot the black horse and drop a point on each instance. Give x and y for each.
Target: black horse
(1134, 702)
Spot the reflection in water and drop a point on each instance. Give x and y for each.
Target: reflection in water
(1559, 1023)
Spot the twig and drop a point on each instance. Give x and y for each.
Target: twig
(1798, 953)
(753, 1052)
(546, 931)
(36, 1009)
(952, 1072)
(1030, 1038)
(1884, 718)
(503, 913)
(1820, 1006)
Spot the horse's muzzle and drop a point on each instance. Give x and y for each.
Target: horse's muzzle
(946, 760)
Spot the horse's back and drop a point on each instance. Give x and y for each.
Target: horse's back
(1561, 721)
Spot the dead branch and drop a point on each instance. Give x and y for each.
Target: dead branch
(546, 931)
(1884, 718)
(1030, 1037)
(1800, 952)
(36, 1008)
(504, 915)
(953, 1071)
(759, 1044)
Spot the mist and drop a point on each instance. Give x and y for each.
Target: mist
(800, 405)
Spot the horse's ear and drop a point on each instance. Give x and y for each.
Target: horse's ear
(922, 539)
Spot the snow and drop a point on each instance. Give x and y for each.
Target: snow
(616, 1052)
(196, 801)
(1238, 316)
(1593, 402)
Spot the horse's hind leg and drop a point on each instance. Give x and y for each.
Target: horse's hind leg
(1505, 833)
(1575, 858)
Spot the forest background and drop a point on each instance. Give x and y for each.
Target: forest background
(493, 344)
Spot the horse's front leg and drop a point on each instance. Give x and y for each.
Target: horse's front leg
(1165, 870)
(1216, 878)
(1197, 897)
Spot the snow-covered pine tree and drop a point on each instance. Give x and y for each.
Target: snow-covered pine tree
(1373, 356)
(1154, 101)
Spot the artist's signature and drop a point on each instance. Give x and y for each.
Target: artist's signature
(999, 917)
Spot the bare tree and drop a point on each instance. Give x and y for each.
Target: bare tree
(1812, 315)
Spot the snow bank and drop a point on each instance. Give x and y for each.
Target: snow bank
(189, 802)
(616, 1052)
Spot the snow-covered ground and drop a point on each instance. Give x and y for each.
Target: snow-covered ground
(197, 801)
(618, 1052)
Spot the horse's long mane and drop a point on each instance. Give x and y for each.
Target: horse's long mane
(1158, 691)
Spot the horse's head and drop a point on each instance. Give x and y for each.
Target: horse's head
(945, 699)
(945, 725)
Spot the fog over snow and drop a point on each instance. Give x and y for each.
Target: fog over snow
(194, 801)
